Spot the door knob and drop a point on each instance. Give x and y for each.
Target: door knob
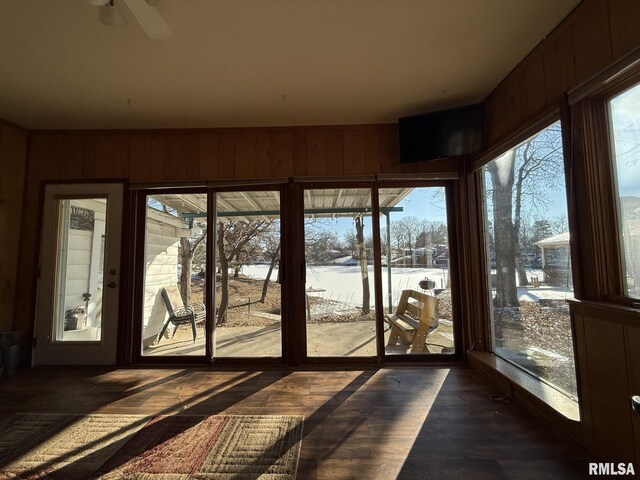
(111, 285)
(635, 403)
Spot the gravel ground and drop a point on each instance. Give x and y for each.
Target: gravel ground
(537, 335)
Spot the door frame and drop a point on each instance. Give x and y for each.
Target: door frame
(48, 221)
(138, 222)
(292, 263)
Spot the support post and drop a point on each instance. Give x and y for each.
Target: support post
(387, 215)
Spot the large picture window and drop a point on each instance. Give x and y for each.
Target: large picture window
(528, 252)
(624, 114)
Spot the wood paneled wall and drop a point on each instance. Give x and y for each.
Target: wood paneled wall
(595, 34)
(201, 155)
(608, 358)
(13, 153)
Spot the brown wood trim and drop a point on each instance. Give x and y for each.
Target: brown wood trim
(539, 399)
(222, 130)
(10, 124)
(606, 78)
(610, 311)
(296, 345)
(598, 229)
(138, 261)
(513, 140)
(125, 276)
(377, 273)
(452, 198)
(210, 275)
(420, 176)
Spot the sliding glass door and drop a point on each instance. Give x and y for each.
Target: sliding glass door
(339, 288)
(248, 319)
(211, 276)
(374, 260)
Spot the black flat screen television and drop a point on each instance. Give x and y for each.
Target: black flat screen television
(446, 133)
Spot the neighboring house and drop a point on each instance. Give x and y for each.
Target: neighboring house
(556, 260)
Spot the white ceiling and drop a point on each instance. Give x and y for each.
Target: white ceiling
(260, 62)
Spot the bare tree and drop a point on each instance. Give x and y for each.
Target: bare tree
(187, 250)
(521, 178)
(233, 237)
(271, 246)
(362, 253)
(501, 172)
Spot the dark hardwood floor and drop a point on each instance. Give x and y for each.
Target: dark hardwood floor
(408, 423)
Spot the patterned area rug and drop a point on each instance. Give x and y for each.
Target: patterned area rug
(110, 447)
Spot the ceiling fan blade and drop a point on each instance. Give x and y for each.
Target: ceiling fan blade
(149, 19)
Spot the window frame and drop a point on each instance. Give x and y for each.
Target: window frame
(602, 232)
(602, 108)
(477, 175)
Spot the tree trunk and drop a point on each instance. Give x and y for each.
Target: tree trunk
(265, 285)
(224, 278)
(523, 281)
(362, 252)
(186, 257)
(502, 171)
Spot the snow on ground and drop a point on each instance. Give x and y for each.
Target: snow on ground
(343, 284)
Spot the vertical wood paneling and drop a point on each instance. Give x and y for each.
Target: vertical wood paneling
(559, 65)
(389, 150)
(333, 151)
(139, 155)
(281, 154)
(532, 84)
(57, 145)
(582, 370)
(354, 153)
(245, 155)
(104, 156)
(632, 337)
(316, 155)
(372, 152)
(299, 154)
(156, 157)
(13, 153)
(175, 157)
(120, 166)
(592, 40)
(496, 115)
(226, 156)
(88, 156)
(624, 18)
(193, 157)
(513, 102)
(609, 390)
(263, 155)
(72, 161)
(209, 156)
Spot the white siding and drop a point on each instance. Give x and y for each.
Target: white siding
(161, 251)
(82, 258)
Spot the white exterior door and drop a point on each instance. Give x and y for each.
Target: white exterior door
(78, 287)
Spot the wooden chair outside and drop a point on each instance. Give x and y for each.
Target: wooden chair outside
(179, 313)
(413, 322)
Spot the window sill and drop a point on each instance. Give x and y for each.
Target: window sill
(516, 379)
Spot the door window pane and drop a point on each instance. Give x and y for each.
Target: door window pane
(248, 301)
(415, 271)
(173, 320)
(528, 251)
(79, 270)
(340, 312)
(625, 130)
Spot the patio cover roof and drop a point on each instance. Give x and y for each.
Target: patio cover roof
(330, 202)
